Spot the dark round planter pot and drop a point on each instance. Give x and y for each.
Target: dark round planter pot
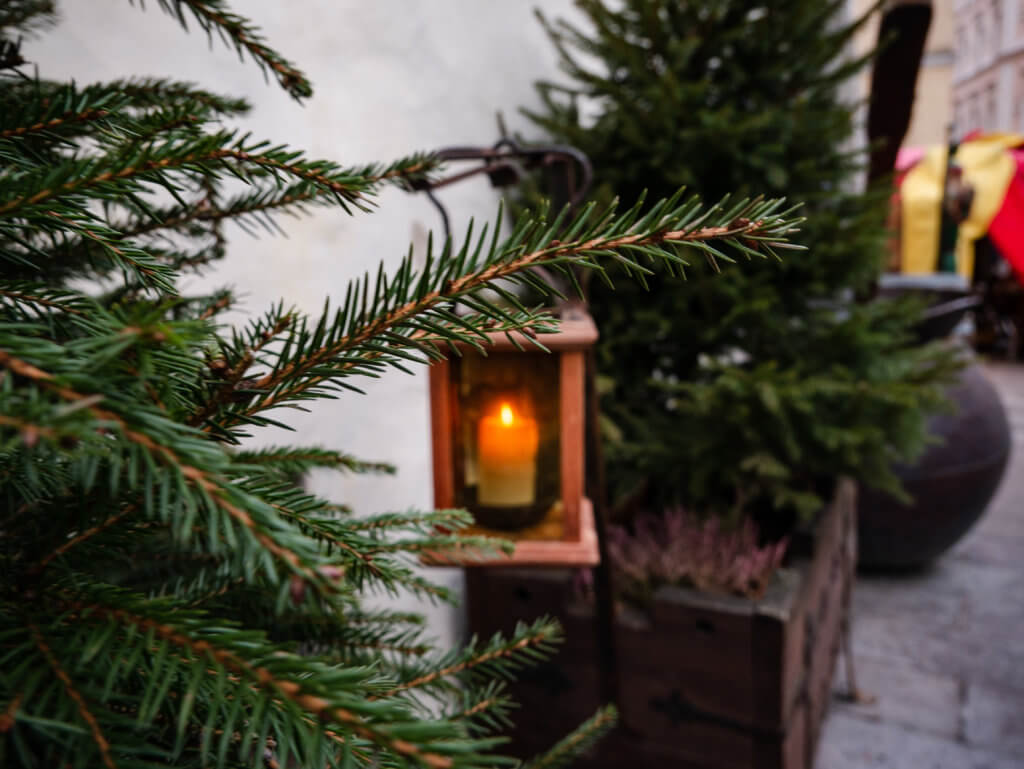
(951, 485)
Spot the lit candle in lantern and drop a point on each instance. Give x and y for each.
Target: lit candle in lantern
(506, 458)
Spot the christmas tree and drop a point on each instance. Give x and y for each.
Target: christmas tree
(749, 394)
(171, 597)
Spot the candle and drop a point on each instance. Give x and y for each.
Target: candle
(506, 458)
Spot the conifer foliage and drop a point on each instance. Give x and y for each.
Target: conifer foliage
(746, 394)
(169, 597)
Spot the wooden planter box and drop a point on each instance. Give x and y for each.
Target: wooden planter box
(704, 681)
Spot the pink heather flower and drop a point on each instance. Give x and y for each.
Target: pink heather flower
(680, 549)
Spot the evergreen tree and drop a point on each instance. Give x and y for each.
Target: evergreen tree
(749, 393)
(170, 597)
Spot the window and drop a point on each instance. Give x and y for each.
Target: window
(990, 108)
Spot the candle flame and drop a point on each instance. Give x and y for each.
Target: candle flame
(507, 417)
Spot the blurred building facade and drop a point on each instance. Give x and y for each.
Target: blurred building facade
(988, 74)
(933, 115)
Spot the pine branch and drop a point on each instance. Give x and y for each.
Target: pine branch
(298, 556)
(295, 461)
(155, 92)
(243, 36)
(83, 709)
(363, 559)
(484, 711)
(92, 531)
(321, 695)
(147, 270)
(26, 15)
(408, 309)
(110, 113)
(116, 174)
(10, 54)
(569, 749)
(256, 206)
(233, 365)
(14, 296)
(68, 118)
(422, 522)
(498, 657)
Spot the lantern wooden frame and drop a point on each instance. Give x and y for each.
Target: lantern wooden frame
(578, 546)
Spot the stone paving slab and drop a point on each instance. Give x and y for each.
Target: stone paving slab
(907, 697)
(995, 718)
(852, 743)
(942, 650)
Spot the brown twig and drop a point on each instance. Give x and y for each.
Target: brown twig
(7, 718)
(19, 296)
(85, 535)
(477, 708)
(233, 375)
(219, 306)
(66, 118)
(83, 709)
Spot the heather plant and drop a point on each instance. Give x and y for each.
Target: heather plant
(678, 548)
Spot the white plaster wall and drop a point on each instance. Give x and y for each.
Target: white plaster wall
(390, 77)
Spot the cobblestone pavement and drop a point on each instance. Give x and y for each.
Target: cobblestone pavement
(943, 650)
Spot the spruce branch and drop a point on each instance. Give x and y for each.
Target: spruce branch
(92, 531)
(363, 559)
(298, 557)
(83, 709)
(26, 15)
(155, 92)
(484, 711)
(120, 172)
(238, 32)
(15, 295)
(147, 270)
(422, 522)
(409, 309)
(581, 738)
(255, 207)
(83, 116)
(323, 694)
(121, 112)
(296, 460)
(10, 54)
(233, 364)
(498, 657)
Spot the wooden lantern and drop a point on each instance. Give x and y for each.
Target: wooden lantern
(508, 443)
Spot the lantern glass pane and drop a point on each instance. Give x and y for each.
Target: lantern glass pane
(507, 442)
